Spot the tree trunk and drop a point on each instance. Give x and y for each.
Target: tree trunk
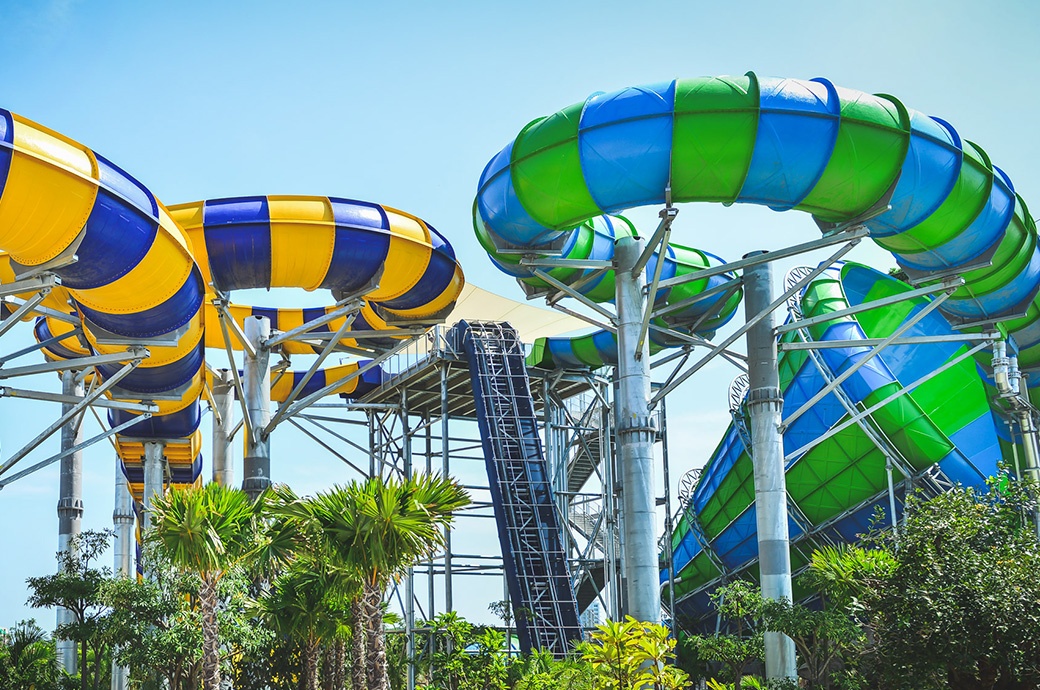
(210, 634)
(376, 643)
(340, 662)
(358, 669)
(326, 666)
(310, 664)
(83, 665)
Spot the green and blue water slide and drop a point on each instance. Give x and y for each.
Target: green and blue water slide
(837, 154)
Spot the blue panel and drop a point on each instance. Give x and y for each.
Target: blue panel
(435, 279)
(362, 241)
(362, 325)
(43, 332)
(932, 165)
(159, 379)
(500, 207)
(176, 425)
(186, 474)
(314, 313)
(821, 417)
(985, 231)
(1003, 301)
(166, 317)
(117, 236)
(668, 269)
(6, 140)
(625, 141)
(238, 241)
(722, 460)
(979, 442)
(563, 353)
(797, 129)
(868, 378)
(123, 184)
(606, 345)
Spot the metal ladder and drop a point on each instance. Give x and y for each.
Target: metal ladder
(529, 526)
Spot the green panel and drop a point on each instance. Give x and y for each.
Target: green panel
(716, 119)
(1013, 254)
(695, 575)
(539, 355)
(734, 495)
(873, 137)
(966, 200)
(585, 349)
(815, 480)
(546, 170)
(954, 398)
(916, 437)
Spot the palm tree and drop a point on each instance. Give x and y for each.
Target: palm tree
(377, 529)
(306, 603)
(206, 531)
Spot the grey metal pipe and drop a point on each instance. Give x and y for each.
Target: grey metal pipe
(154, 476)
(767, 452)
(70, 502)
(635, 437)
(256, 384)
(223, 409)
(123, 547)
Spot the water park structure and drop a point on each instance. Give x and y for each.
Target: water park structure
(871, 386)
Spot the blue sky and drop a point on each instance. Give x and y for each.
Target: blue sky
(404, 103)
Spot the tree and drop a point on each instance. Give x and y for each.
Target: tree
(77, 588)
(629, 654)
(207, 531)
(28, 659)
(822, 637)
(960, 608)
(377, 529)
(741, 604)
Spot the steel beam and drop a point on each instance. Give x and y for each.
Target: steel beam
(256, 464)
(134, 353)
(752, 321)
(853, 235)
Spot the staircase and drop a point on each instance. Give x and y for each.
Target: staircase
(529, 526)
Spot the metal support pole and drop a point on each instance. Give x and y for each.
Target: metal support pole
(409, 584)
(449, 603)
(635, 437)
(70, 502)
(223, 407)
(154, 476)
(123, 546)
(256, 384)
(1031, 453)
(767, 453)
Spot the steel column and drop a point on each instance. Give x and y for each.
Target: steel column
(767, 453)
(223, 407)
(70, 502)
(635, 437)
(154, 476)
(256, 384)
(123, 547)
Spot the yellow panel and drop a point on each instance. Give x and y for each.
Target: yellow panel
(442, 301)
(154, 280)
(281, 387)
(341, 371)
(303, 236)
(167, 223)
(160, 356)
(407, 258)
(289, 319)
(193, 393)
(189, 217)
(73, 343)
(49, 194)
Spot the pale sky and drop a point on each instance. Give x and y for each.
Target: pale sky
(404, 104)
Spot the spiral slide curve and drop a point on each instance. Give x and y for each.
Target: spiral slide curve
(147, 275)
(835, 153)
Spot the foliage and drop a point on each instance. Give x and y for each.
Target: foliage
(631, 654)
(741, 604)
(960, 608)
(28, 659)
(77, 588)
(822, 638)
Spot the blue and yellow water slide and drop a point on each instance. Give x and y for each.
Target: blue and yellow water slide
(148, 275)
(931, 197)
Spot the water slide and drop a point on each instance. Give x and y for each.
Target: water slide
(933, 199)
(134, 273)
